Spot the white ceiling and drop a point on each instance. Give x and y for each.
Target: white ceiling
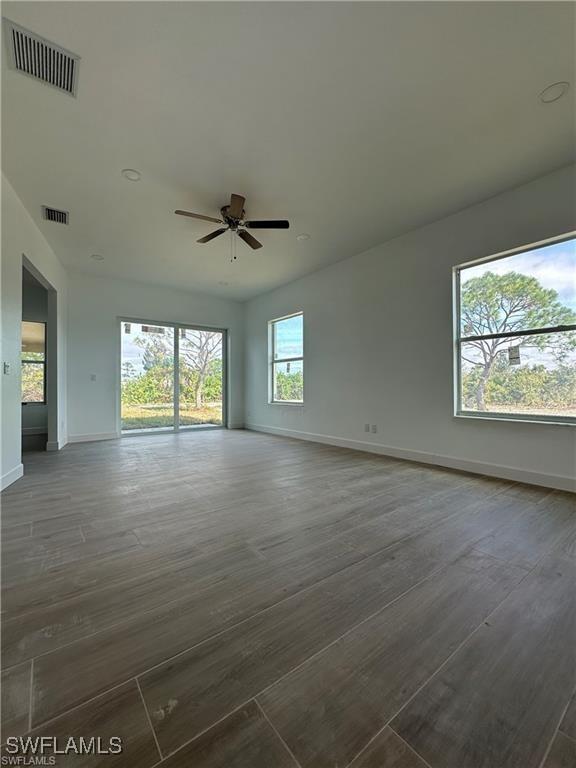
(356, 122)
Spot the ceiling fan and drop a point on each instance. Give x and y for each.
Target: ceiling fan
(233, 216)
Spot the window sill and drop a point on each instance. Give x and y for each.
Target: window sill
(285, 402)
(517, 419)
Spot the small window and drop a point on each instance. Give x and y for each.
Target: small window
(516, 334)
(287, 359)
(33, 362)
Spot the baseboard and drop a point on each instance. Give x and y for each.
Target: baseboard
(476, 467)
(56, 445)
(34, 430)
(12, 476)
(93, 438)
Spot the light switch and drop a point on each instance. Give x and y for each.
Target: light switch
(6, 368)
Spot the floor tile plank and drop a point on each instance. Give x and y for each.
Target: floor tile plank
(388, 750)
(328, 709)
(568, 724)
(243, 740)
(119, 713)
(499, 700)
(15, 695)
(562, 753)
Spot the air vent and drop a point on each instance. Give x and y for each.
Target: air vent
(41, 59)
(53, 214)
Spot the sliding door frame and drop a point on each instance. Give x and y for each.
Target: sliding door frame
(177, 327)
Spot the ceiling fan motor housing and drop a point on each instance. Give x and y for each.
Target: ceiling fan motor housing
(232, 221)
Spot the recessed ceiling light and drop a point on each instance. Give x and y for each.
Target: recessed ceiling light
(554, 92)
(131, 174)
(223, 282)
(303, 236)
(97, 257)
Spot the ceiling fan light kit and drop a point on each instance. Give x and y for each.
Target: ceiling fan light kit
(234, 219)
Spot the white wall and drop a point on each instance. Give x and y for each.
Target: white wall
(22, 238)
(95, 306)
(378, 344)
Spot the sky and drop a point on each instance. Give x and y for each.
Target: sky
(289, 337)
(554, 266)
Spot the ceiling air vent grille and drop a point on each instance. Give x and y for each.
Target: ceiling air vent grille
(53, 214)
(41, 59)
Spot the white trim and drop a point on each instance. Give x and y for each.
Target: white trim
(93, 438)
(12, 476)
(466, 465)
(561, 421)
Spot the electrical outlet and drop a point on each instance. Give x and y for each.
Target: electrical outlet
(366, 427)
(92, 377)
(374, 428)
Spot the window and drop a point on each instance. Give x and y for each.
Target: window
(33, 362)
(287, 359)
(516, 334)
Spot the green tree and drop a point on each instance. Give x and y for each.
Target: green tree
(199, 350)
(504, 304)
(158, 348)
(289, 385)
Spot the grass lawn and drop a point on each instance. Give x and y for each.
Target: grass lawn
(149, 416)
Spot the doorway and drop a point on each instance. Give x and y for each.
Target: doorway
(39, 362)
(172, 377)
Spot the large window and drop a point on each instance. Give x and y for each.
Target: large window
(33, 362)
(172, 377)
(516, 334)
(287, 359)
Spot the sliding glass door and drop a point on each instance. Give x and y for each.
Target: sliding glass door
(201, 367)
(172, 377)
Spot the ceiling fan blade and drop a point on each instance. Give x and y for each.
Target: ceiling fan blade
(236, 207)
(212, 235)
(199, 216)
(248, 239)
(272, 224)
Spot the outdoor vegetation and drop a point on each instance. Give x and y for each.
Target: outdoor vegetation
(289, 385)
(33, 378)
(544, 379)
(148, 389)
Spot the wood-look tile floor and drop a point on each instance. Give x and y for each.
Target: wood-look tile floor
(237, 600)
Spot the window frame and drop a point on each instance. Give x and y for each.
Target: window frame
(272, 361)
(36, 362)
(460, 412)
